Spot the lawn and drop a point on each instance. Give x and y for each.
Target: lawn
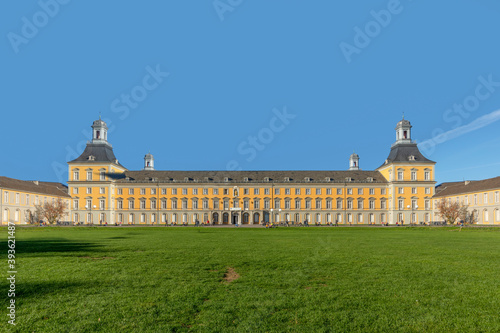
(326, 279)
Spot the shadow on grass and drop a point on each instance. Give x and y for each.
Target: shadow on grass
(50, 246)
(41, 289)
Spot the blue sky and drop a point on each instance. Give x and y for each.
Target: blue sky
(256, 85)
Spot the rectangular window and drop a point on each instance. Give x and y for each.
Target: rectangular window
(400, 175)
(142, 191)
(297, 203)
(174, 204)
(174, 191)
(75, 204)
(143, 204)
(297, 191)
(266, 191)
(102, 175)
(383, 191)
(360, 204)
(102, 190)
(287, 191)
(102, 204)
(401, 190)
(349, 191)
(276, 191)
(287, 204)
(318, 203)
(328, 191)
(195, 204)
(119, 204)
(17, 198)
(339, 191)
(308, 204)
(339, 204)
(427, 204)
(184, 204)
(497, 197)
(372, 204)
(89, 175)
(131, 191)
(153, 191)
(266, 204)
(27, 199)
(427, 175)
(413, 190)
(205, 204)
(485, 198)
(119, 191)
(205, 191)
(372, 191)
(226, 191)
(328, 204)
(318, 191)
(75, 190)
(89, 190)
(215, 191)
(256, 204)
(401, 204)
(164, 204)
(164, 191)
(76, 175)
(184, 191)
(308, 191)
(226, 204)
(349, 204)
(427, 190)
(89, 204)
(413, 175)
(360, 191)
(382, 204)
(153, 204)
(195, 191)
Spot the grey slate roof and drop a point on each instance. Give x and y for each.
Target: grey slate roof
(402, 152)
(458, 188)
(357, 176)
(48, 188)
(101, 152)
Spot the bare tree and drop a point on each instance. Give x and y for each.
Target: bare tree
(51, 211)
(453, 211)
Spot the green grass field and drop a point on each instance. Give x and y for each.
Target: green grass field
(323, 279)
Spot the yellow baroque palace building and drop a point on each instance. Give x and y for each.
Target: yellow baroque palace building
(19, 198)
(104, 191)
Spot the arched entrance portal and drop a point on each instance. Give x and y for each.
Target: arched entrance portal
(215, 218)
(256, 218)
(246, 218)
(225, 218)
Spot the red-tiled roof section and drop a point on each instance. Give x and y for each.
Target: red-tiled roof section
(47, 188)
(457, 188)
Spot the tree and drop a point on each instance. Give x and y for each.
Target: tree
(453, 211)
(33, 217)
(51, 211)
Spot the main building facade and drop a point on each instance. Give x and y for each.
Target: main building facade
(104, 191)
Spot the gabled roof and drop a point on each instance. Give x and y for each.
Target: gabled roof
(357, 176)
(401, 152)
(458, 188)
(100, 152)
(47, 188)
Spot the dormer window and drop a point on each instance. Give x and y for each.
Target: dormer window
(91, 158)
(307, 179)
(348, 179)
(411, 158)
(245, 179)
(287, 179)
(328, 179)
(186, 179)
(266, 179)
(226, 179)
(370, 179)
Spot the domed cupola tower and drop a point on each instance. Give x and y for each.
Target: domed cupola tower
(403, 131)
(354, 162)
(100, 132)
(149, 162)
